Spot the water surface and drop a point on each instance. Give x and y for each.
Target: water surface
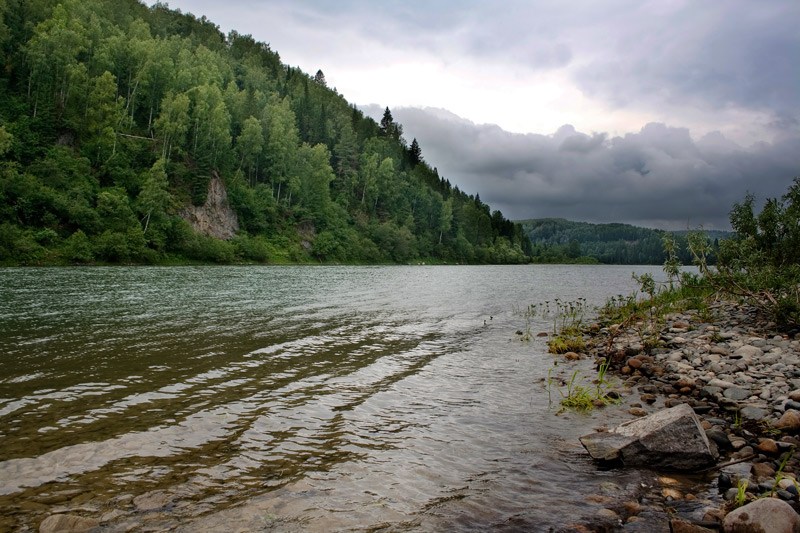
(291, 398)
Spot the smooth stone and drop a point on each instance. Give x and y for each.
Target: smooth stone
(762, 471)
(765, 514)
(747, 352)
(767, 446)
(736, 393)
(753, 413)
(789, 421)
(720, 383)
(719, 437)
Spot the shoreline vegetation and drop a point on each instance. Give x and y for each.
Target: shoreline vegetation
(726, 342)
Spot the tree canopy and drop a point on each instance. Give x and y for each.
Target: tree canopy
(115, 115)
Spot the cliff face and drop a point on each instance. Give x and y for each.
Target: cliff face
(215, 218)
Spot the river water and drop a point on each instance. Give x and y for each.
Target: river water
(293, 398)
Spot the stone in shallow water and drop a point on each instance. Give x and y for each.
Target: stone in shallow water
(669, 439)
(67, 523)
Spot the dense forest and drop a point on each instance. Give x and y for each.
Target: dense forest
(116, 117)
(556, 240)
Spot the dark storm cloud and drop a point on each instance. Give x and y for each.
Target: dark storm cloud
(735, 53)
(657, 177)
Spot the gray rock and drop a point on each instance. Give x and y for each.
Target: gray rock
(747, 352)
(719, 436)
(763, 515)
(751, 412)
(669, 439)
(67, 523)
(736, 393)
(721, 383)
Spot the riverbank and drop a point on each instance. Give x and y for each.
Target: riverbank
(742, 378)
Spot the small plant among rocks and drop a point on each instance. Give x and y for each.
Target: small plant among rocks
(582, 396)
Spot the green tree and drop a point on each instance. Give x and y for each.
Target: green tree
(282, 142)
(390, 128)
(249, 145)
(415, 153)
(172, 124)
(103, 114)
(445, 218)
(52, 55)
(315, 175)
(154, 198)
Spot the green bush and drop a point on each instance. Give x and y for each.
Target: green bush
(762, 262)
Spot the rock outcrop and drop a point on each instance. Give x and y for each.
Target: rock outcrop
(215, 218)
(670, 439)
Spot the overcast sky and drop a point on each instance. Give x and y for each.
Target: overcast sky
(658, 113)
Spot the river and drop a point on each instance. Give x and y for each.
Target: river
(293, 398)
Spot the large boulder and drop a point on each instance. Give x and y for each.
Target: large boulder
(670, 439)
(765, 515)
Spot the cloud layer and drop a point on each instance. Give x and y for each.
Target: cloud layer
(534, 65)
(658, 177)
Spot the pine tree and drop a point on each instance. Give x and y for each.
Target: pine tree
(415, 153)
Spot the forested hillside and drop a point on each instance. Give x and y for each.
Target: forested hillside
(556, 240)
(114, 117)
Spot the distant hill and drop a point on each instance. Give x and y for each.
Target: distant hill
(556, 240)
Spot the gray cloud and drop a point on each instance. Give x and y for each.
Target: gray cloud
(735, 53)
(657, 177)
(685, 62)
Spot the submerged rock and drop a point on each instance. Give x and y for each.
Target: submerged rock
(669, 439)
(67, 523)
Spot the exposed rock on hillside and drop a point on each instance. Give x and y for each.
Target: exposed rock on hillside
(215, 218)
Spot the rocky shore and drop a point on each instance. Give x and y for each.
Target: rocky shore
(742, 378)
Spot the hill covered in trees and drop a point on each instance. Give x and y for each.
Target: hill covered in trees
(115, 117)
(556, 240)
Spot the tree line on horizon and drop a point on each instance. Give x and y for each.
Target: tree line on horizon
(114, 116)
(556, 240)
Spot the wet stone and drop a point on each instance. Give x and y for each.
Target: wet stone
(152, 501)
(67, 523)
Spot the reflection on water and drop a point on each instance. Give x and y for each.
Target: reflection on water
(302, 398)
